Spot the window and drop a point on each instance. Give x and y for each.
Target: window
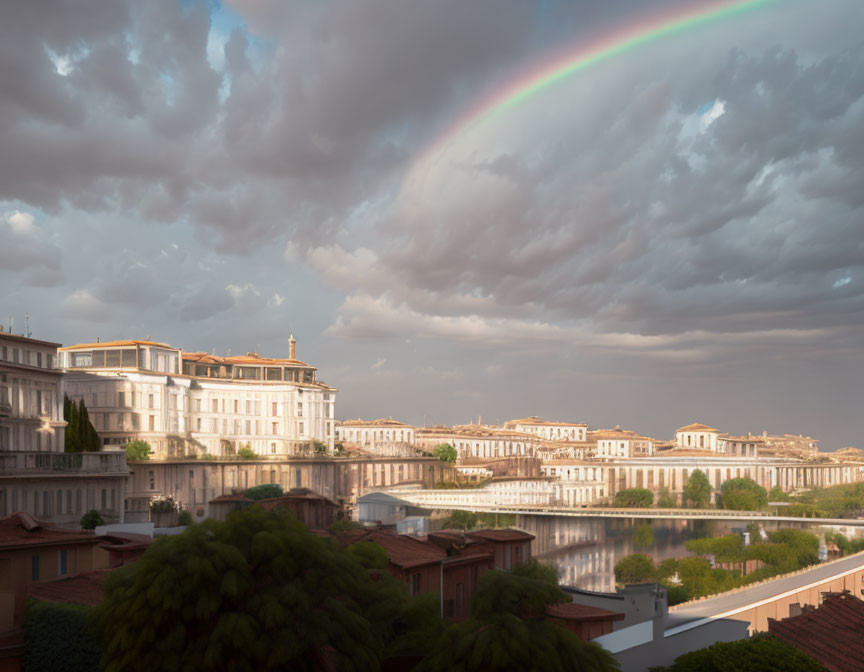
(152, 481)
(151, 422)
(78, 358)
(35, 561)
(299, 409)
(236, 406)
(198, 424)
(121, 399)
(275, 428)
(272, 447)
(39, 359)
(61, 563)
(275, 409)
(248, 407)
(215, 405)
(302, 431)
(415, 584)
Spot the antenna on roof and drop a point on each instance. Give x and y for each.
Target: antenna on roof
(27, 331)
(147, 337)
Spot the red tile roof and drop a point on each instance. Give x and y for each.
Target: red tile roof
(125, 541)
(502, 535)
(403, 550)
(833, 633)
(85, 588)
(571, 611)
(21, 530)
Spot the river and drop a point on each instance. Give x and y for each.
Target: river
(586, 549)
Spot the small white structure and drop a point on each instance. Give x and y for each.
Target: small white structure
(548, 429)
(697, 436)
(621, 443)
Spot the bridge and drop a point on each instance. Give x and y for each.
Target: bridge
(607, 512)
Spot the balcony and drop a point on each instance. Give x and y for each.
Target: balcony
(5, 401)
(107, 463)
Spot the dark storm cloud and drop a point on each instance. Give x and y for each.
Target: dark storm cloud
(617, 223)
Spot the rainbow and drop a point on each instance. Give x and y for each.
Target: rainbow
(583, 57)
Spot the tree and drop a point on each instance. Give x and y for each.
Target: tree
(184, 518)
(743, 494)
(697, 492)
(70, 415)
(264, 491)
(534, 569)
(754, 531)
(776, 494)
(461, 520)
(761, 653)
(445, 452)
(87, 436)
(319, 447)
(255, 592)
(138, 450)
(635, 568)
(245, 452)
(665, 499)
(507, 630)
(60, 637)
(634, 498)
(91, 520)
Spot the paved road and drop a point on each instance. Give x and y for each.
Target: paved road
(726, 605)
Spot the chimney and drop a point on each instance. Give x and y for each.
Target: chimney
(291, 347)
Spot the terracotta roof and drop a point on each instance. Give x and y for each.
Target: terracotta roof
(571, 611)
(21, 530)
(85, 588)
(125, 541)
(697, 427)
(292, 497)
(502, 535)
(116, 344)
(403, 550)
(833, 633)
(621, 434)
(534, 420)
(252, 358)
(380, 422)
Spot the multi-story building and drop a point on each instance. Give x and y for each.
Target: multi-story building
(473, 441)
(621, 443)
(195, 404)
(384, 436)
(549, 430)
(36, 475)
(739, 446)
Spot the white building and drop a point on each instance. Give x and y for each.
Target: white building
(549, 430)
(502, 492)
(478, 441)
(739, 446)
(621, 443)
(697, 436)
(186, 404)
(36, 475)
(377, 436)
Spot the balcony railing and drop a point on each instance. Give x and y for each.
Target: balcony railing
(25, 463)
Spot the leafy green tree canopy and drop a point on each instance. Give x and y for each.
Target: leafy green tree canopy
(743, 494)
(635, 568)
(697, 491)
(138, 450)
(776, 494)
(758, 654)
(445, 452)
(507, 632)
(91, 520)
(634, 497)
(246, 453)
(665, 499)
(256, 592)
(264, 491)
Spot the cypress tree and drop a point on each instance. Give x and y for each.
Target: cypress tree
(70, 413)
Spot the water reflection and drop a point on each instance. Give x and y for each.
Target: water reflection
(586, 549)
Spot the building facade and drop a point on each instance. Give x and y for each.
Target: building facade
(698, 437)
(478, 441)
(548, 429)
(381, 437)
(195, 404)
(36, 475)
(621, 443)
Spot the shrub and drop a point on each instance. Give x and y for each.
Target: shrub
(184, 518)
(445, 452)
(635, 568)
(319, 447)
(665, 499)
(264, 491)
(246, 453)
(743, 494)
(776, 494)
(91, 520)
(137, 450)
(634, 498)
(762, 653)
(164, 505)
(60, 637)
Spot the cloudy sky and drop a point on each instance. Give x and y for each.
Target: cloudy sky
(674, 234)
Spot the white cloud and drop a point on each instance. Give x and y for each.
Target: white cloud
(378, 364)
(83, 305)
(238, 291)
(21, 222)
(276, 300)
(842, 282)
(712, 114)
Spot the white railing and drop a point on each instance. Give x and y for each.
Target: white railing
(23, 463)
